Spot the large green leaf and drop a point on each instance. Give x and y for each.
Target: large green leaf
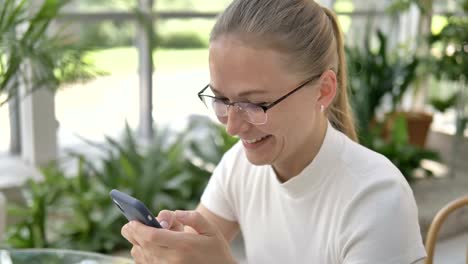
(51, 57)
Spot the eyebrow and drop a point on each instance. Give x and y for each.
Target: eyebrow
(242, 94)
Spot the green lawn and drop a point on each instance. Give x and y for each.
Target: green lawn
(125, 59)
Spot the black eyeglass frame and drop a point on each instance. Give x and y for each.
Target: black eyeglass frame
(262, 106)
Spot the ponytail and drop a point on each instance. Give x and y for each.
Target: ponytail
(340, 113)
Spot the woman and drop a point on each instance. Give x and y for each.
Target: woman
(298, 186)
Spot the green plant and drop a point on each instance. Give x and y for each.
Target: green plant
(406, 157)
(180, 40)
(31, 54)
(398, 6)
(441, 104)
(373, 76)
(31, 231)
(451, 64)
(107, 34)
(77, 213)
(452, 60)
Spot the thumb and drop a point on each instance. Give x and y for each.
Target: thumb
(196, 221)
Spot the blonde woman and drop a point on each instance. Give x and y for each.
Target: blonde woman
(298, 185)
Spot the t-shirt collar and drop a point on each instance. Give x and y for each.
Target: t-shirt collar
(321, 167)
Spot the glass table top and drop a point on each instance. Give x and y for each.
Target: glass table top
(57, 256)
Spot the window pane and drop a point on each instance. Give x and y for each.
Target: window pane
(441, 6)
(359, 5)
(355, 28)
(193, 5)
(180, 76)
(184, 33)
(102, 106)
(343, 6)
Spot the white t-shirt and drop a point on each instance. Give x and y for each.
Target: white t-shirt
(350, 205)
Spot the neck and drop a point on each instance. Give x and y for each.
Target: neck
(293, 165)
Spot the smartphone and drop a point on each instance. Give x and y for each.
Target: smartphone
(133, 209)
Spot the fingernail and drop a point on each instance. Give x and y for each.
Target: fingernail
(164, 224)
(181, 214)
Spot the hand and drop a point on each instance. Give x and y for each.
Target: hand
(168, 220)
(153, 245)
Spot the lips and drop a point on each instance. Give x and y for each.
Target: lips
(252, 141)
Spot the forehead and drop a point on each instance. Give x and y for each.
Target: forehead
(236, 67)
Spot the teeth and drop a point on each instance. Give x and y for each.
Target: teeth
(251, 141)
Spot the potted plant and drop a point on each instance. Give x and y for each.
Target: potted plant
(373, 75)
(377, 74)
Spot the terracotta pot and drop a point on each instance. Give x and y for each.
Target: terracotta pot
(418, 124)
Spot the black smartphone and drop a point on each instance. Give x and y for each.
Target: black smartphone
(133, 209)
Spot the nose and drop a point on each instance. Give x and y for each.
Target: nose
(235, 123)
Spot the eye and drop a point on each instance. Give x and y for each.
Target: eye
(262, 104)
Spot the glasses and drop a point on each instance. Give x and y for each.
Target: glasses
(253, 113)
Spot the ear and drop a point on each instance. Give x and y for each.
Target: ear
(328, 88)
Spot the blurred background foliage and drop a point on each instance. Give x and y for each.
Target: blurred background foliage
(53, 56)
(171, 33)
(72, 209)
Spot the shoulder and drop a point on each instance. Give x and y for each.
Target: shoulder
(380, 217)
(370, 181)
(366, 168)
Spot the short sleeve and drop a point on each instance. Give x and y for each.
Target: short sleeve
(218, 196)
(380, 224)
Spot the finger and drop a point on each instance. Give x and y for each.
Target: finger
(169, 217)
(165, 218)
(195, 220)
(127, 234)
(146, 236)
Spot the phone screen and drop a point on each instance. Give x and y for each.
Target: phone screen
(133, 209)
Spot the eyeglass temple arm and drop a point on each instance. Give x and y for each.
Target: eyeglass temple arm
(266, 107)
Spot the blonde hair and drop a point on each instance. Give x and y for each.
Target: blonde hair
(308, 33)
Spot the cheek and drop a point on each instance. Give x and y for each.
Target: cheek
(222, 120)
(292, 125)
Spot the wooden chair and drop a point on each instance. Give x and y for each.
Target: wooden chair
(436, 224)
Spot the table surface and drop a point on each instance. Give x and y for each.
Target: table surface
(57, 256)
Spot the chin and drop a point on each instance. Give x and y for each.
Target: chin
(256, 160)
(265, 154)
(261, 158)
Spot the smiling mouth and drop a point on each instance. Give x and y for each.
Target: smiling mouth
(253, 141)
